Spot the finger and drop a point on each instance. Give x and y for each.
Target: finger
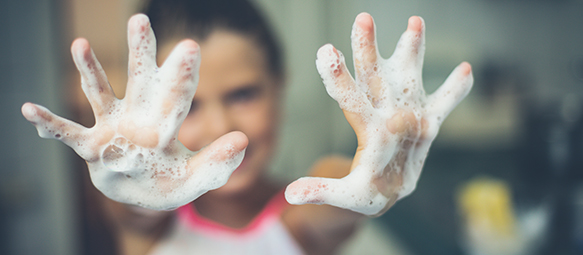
(338, 81)
(411, 46)
(344, 193)
(226, 147)
(179, 78)
(142, 51)
(364, 48)
(455, 88)
(365, 54)
(93, 79)
(141, 43)
(312, 190)
(52, 126)
(341, 87)
(216, 162)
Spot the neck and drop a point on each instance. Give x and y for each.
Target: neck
(134, 242)
(236, 210)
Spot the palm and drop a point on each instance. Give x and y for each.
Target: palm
(394, 120)
(133, 152)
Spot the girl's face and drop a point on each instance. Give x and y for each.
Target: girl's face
(235, 92)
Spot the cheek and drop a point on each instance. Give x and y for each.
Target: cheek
(258, 123)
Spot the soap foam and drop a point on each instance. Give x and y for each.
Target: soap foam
(161, 181)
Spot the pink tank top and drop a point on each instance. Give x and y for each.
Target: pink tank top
(266, 234)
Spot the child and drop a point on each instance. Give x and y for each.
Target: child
(134, 155)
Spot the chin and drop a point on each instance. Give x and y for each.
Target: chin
(240, 180)
(246, 176)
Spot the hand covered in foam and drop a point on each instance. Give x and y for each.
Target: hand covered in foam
(394, 120)
(133, 152)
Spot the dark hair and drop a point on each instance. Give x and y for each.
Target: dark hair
(199, 18)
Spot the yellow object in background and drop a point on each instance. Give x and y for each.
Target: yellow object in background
(489, 219)
(487, 202)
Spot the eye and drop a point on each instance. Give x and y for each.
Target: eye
(244, 95)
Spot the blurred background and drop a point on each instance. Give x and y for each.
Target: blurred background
(505, 175)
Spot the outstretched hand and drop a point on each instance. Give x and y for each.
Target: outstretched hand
(133, 152)
(393, 118)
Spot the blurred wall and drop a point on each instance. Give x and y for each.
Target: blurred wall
(36, 201)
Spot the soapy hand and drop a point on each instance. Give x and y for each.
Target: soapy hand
(393, 118)
(132, 151)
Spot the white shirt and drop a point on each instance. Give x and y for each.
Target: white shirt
(266, 234)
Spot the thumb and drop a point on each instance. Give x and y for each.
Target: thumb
(215, 163)
(350, 192)
(311, 190)
(225, 148)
